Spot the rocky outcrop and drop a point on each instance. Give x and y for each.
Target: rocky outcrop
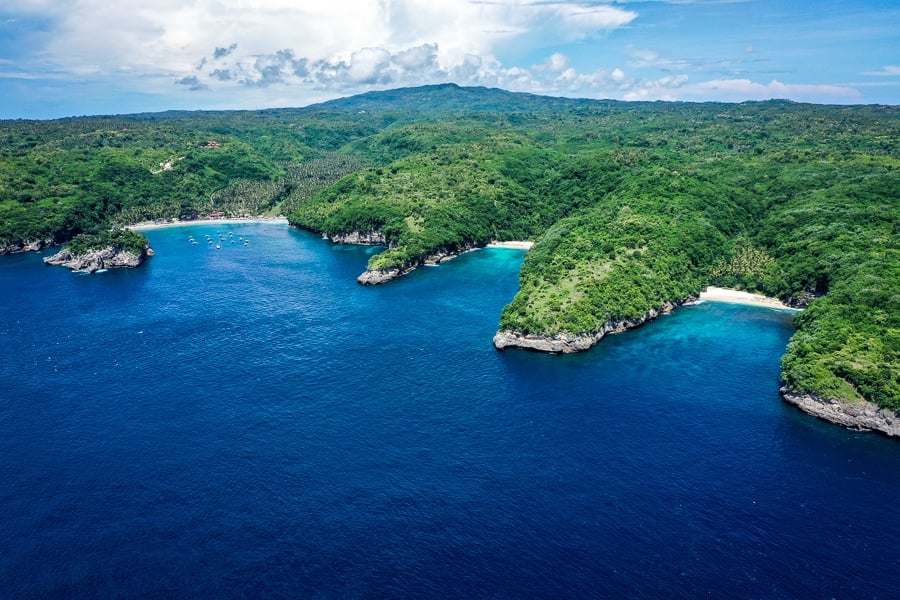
(376, 276)
(26, 246)
(371, 238)
(377, 238)
(94, 260)
(861, 415)
(570, 342)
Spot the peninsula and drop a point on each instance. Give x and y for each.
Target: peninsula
(108, 250)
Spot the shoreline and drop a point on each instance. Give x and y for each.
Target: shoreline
(146, 226)
(860, 416)
(730, 296)
(515, 245)
(567, 343)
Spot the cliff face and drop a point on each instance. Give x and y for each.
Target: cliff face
(376, 276)
(377, 238)
(566, 342)
(26, 246)
(94, 260)
(860, 415)
(371, 238)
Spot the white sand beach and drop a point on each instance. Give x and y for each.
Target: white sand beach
(717, 294)
(233, 220)
(517, 245)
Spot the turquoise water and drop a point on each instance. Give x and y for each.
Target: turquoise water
(250, 422)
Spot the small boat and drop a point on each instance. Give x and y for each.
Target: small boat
(218, 247)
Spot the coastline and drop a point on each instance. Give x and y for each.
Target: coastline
(566, 343)
(379, 276)
(717, 294)
(861, 415)
(231, 220)
(515, 245)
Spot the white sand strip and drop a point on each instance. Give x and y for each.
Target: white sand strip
(518, 245)
(717, 294)
(229, 221)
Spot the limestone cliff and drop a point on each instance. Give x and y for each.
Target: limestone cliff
(94, 260)
(856, 415)
(570, 342)
(376, 276)
(26, 246)
(370, 238)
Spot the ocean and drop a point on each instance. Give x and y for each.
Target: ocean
(250, 422)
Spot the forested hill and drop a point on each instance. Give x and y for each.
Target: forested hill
(632, 205)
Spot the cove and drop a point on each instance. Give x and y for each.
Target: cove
(250, 421)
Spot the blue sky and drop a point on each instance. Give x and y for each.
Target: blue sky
(75, 57)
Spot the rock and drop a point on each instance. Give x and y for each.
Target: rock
(26, 246)
(860, 415)
(376, 276)
(570, 342)
(377, 238)
(372, 238)
(94, 260)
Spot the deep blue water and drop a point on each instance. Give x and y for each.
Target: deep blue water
(250, 422)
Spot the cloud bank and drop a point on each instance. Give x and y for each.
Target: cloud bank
(288, 51)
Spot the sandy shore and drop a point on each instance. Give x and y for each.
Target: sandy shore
(716, 294)
(520, 245)
(231, 221)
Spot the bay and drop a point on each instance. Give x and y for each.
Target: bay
(249, 421)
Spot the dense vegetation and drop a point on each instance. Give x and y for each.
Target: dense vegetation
(631, 204)
(117, 239)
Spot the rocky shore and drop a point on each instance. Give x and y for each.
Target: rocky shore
(377, 238)
(565, 343)
(371, 238)
(94, 260)
(26, 246)
(861, 415)
(376, 276)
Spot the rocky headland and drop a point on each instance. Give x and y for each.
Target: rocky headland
(357, 238)
(564, 343)
(377, 238)
(26, 246)
(95, 259)
(861, 415)
(377, 276)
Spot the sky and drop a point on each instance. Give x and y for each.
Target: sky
(63, 58)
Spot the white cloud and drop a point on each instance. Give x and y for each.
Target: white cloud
(556, 62)
(289, 52)
(169, 37)
(642, 58)
(585, 19)
(887, 71)
(745, 89)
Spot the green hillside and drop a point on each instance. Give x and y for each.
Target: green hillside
(632, 205)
